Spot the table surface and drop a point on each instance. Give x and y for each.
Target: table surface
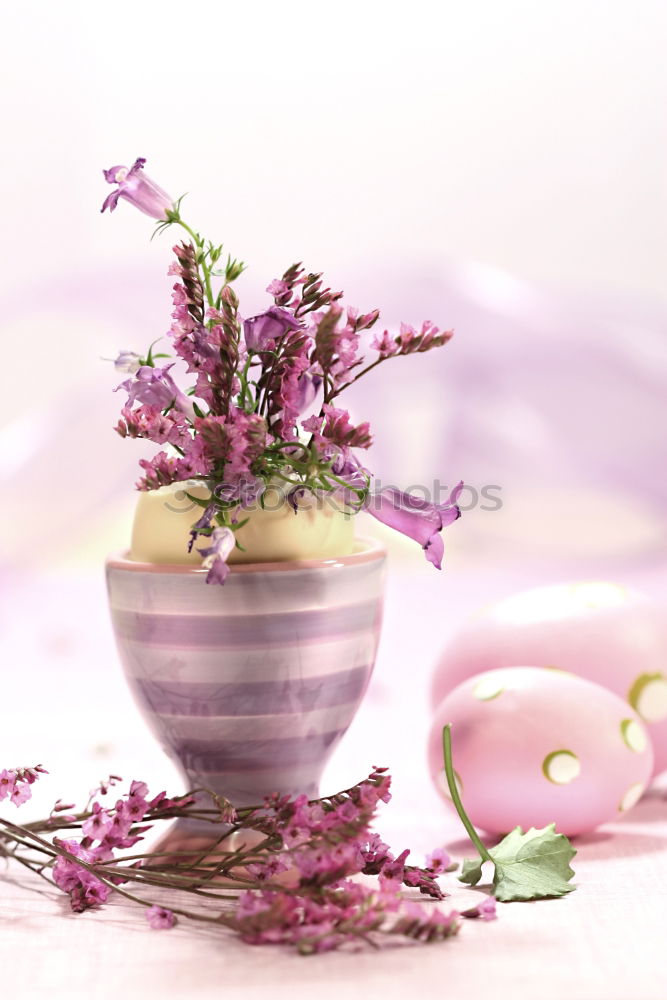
(64, 704)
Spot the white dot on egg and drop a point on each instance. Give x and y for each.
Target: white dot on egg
(488, 688)
(648, 696)
(561, 767)
(634, 735)
(444, 787)
(631, 797)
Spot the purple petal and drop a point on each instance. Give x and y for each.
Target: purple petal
(218, 572)
(111, 201)
(111, 174)
(138, 164)
(415, 517)
(435, 549)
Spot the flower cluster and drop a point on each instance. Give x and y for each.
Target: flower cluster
(260, 408)
(318, 879)
(15, 784)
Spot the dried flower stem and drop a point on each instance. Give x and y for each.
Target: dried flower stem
(320, 844)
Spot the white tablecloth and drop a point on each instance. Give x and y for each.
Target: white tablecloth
(64, 704)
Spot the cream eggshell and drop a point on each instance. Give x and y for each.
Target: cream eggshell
(532, 746)
(601, 631)
(163, 519)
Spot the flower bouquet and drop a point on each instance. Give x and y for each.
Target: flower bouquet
(260, 414)
(250, 686)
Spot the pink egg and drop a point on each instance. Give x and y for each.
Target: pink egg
(532, 746)
(606, 633)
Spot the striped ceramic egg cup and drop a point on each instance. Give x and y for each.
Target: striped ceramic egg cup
(250, 686)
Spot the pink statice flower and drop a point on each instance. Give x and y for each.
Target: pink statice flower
(375, 854)
(160, 918)
(161, 470)
(486, 910)
(278, 287)
(137, 188)
(97, 825)
(15, 783)
(413, 341)
(264, 871)
(337, 347)
(410, 340)
(151, 423)
(83, 888)
(333, 427)
(438, 861)
(427, 924)
(238, 439)
(20, 793)
(7, 783)
(385, 344)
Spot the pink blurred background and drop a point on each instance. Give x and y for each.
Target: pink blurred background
(498, 168)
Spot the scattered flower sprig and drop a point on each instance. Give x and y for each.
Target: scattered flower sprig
(531, 865)
(298, 884)
(262, 410)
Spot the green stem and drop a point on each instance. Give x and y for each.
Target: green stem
(456, 798)
(205, 270)
(356, 378)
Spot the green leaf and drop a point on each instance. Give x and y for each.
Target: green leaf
(532, 865)
(471, 871)
(198, 500)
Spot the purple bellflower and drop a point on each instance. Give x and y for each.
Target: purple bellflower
(215, 556)
(416, 518)
(267, 326)
(136, 187)
(155, 387)
(128, 361)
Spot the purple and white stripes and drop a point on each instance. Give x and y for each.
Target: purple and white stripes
(250, 686)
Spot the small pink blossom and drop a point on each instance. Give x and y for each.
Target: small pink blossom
(386, 345)
(149, 422)
(161, 470)
(97, 826)
(337, 429)
(263, 871)
(486, 910)
(160, 918)
(7, 781)
(20, 793)
(438, 861)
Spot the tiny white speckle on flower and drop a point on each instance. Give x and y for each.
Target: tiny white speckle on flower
(488, 688)
(561, 767)
(648, 696)
(634, 735)
(631, 797)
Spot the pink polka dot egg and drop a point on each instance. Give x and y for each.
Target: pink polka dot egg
(533, 746)
(612, 635)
